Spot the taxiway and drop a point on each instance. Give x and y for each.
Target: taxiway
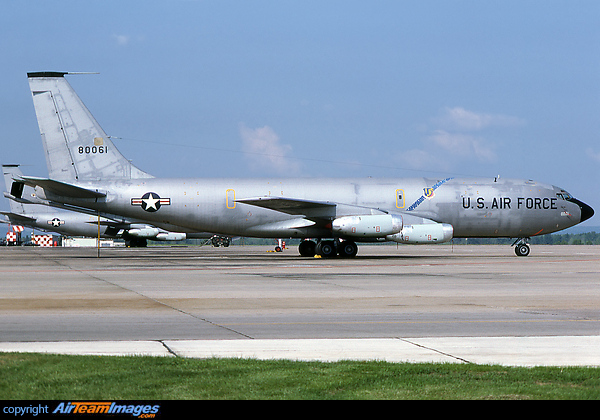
(479, 304)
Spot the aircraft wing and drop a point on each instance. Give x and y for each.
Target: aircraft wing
(59, 188)
(286, 205)
(317, 211)
(293, 206)
(111, 223)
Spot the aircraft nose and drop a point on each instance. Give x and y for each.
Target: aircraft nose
(586, 211)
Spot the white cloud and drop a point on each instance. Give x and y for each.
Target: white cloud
(126, 40)
(121, 40)
(458, 136)
(464, 145)
(264, 151)
(593, 154)
(423, 159)
(460, 119)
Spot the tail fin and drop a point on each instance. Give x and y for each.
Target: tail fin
(17, 189)
(76, 147)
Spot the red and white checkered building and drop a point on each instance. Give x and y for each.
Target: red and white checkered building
(11, 237)
(42, 240)
(14, 236)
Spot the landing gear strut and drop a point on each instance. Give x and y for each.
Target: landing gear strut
(521, 247)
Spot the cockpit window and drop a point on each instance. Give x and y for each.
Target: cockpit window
(563, 195)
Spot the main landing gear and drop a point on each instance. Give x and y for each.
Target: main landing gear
(328, 248)
(521, 247)
(133, 242)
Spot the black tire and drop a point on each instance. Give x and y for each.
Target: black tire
(326, 249)
(522, 250)
(348, 249)
(307, 248)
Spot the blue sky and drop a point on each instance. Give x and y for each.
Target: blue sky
(320, 88)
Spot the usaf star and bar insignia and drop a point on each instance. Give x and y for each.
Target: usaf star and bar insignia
(150, 202)
(56, 222)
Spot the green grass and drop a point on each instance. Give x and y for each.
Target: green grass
(38, 376)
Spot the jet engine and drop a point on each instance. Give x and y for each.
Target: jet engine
(367, 226)
(146, 232)
(155, 234)
(170, 236)
(423, 234)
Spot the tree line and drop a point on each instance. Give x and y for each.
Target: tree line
(587, 238)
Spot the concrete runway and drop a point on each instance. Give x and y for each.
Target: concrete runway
(478, 304)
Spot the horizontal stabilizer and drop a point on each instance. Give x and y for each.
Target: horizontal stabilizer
(18, 218)
(60, 188)
(16, 199)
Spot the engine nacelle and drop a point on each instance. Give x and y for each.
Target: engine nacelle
(146, 233)
(367, 226)
(170, 236)
(423, 234)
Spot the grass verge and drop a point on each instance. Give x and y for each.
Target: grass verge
(41, 376)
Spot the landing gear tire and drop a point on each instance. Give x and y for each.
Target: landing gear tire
(348, 249)
(522, 250)
(326, 249)
(307, 248)
(136, 242)
(218, 241)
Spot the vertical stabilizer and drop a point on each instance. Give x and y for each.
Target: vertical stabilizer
(76, 147)
(16, 189)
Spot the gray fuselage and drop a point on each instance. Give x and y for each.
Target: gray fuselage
(475, 207)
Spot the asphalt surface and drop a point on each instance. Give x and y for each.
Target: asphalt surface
(247, 301)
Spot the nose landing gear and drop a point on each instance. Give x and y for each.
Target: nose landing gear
(521, 247)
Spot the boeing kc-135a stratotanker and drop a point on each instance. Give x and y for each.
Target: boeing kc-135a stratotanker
(73, 223)
(87, 172)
